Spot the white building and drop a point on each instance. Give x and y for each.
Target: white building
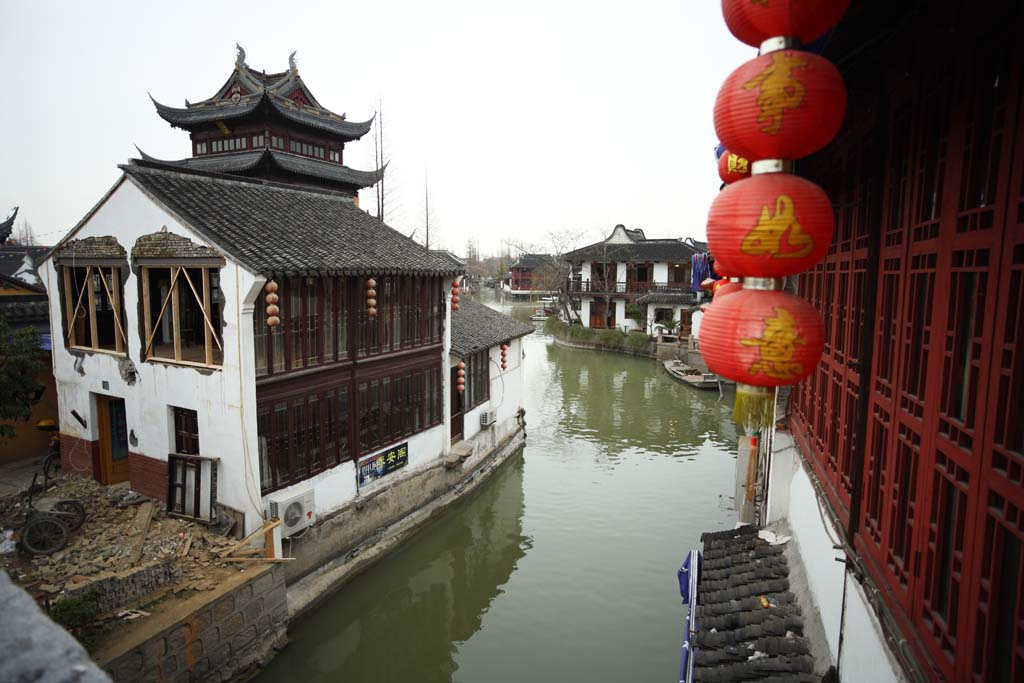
(170, 370)
(628, 268)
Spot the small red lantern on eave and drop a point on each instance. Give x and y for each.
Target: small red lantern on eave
(460, 377)
(270, 298)
(774, 225)
(455, 295)
(732, 167)
(504, 356)
(371, 298)
(785, 104)
(755, 22)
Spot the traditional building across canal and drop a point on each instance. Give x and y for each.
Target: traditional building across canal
(235, 337)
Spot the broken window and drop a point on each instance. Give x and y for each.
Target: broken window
(94, 315)
(182, 310)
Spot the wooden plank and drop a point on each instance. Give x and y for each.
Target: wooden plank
(146, 313)
(90, 281)
(78, 303)
(140, 525)
(188, 545)
(175, 314)
(69, 310)
(266, 525)
(201, 300)
(114, 299)
(257, 559)
(160, 316)
(206, 308)
(268, 543)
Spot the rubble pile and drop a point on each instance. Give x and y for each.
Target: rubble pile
(107, 544)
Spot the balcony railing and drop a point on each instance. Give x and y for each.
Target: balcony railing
(627, 287)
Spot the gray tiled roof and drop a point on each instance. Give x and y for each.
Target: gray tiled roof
(101, 247)
(656, 250)
(750, 627)
(226, 110)
(476, 327)
(165, 244)
(532, 261)
(276, 229)
(239, 162)
(12, 257)
(25, 310)
(7, 226)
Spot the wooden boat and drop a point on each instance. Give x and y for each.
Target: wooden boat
(694, 377)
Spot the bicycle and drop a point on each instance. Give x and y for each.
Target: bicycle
(45, 531)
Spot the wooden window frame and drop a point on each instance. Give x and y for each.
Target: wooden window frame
(73, 303)
(173, 300)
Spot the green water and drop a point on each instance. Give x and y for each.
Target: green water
(562, 567)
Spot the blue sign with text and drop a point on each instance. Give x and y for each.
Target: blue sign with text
(383, 463)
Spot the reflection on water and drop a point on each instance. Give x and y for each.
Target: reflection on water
(562, 567)
(400, 625)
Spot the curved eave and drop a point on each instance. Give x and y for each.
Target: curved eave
(202, 114)
(326, 170)
(325, 121)
(240, 162)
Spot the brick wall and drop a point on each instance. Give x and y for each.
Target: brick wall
(78, 456)
(148, 475)
(228, 637)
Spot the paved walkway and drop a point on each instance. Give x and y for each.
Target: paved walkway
(17, 476)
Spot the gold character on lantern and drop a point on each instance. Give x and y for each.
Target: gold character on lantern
(778, 235)
(778, 90)
(777, 345)
(737, 164)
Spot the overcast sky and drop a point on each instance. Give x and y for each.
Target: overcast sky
(528, 117)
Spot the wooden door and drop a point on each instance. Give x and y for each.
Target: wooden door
(457, 407)
(598, 315)
(113, 440)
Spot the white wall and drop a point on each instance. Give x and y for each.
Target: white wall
(226, 430)
(585, 271)
(620, 314)
(620, 272)
(791, 496)
(661, 272)
(585, 312)
(506, 390)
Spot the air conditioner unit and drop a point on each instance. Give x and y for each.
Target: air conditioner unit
(296, 511)
(488, 417)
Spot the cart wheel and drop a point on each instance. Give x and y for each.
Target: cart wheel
(43, 536)
(71, 512)
(51, 466)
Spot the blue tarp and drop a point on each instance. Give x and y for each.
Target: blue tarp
(688, 575)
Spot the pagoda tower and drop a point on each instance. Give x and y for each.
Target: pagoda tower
(268, 126)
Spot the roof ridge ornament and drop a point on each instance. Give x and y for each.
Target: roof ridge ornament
(240, 58)
(291, 63)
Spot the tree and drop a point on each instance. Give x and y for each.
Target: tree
(24, 235)
(382, 160)
(20, 363)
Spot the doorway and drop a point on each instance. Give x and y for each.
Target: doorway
(113, 439)
(457, 409)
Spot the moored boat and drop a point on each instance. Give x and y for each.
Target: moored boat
(694, 377)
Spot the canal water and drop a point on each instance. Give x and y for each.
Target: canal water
(562, 567)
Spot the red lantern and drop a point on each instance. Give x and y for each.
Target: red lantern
(774, 225)
(762, 338)
(733, 167)
(755, 22)
(461, 366)
(273, 310)
(273, 321)
(461, 373)
(723, 288)
(455, 299)
(455, 284)
(455, 307)
(784, 104)
(271, 298)
(270, 287)
(504, 347)
(371, 283)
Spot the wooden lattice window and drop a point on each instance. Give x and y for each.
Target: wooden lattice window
(182, 309)
(186, 431)
(93, 307)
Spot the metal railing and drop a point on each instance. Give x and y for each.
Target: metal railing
(627, 287)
